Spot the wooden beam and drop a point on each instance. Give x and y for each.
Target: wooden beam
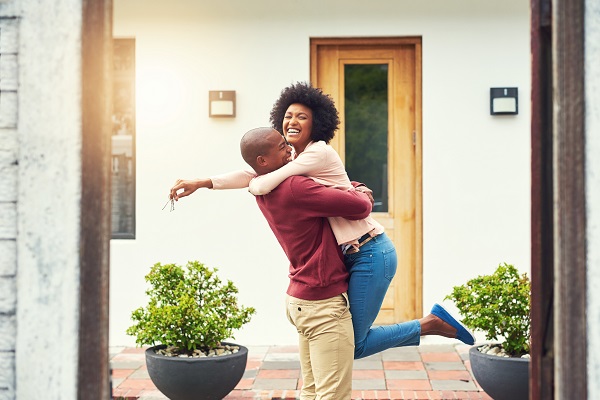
(96, 56)
(542, 226)
(569, 213)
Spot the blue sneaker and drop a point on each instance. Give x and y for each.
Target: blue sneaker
(462, 333)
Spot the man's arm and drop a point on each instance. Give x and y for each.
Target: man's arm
(323, 201)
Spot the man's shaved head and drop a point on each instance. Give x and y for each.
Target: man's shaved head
(256, 142)
(264, 149)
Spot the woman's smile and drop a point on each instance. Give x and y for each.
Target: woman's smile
(297, 125)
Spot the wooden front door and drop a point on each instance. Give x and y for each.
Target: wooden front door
(376, 86)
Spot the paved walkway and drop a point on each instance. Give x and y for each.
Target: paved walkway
(273, 372)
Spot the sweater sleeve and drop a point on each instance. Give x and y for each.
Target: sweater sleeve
(308, 163)
(322, 201)
(232, 180)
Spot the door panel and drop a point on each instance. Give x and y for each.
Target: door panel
(373, 65)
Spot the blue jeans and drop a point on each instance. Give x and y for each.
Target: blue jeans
(371, 271)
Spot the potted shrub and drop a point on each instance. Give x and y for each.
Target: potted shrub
(189, 314)
(499, 305)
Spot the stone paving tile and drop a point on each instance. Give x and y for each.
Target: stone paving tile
(127, 364)
(134, 350)
(281, 365)
(401, 354)
(365, 374)
(415, 357)
(392, 374)
(245, 384)
(450, 374)
(449, 384)
(115, 382)
(280, 349)
(408, 384)
(277, 357)
(250, 373)
(140, 374)
(154, 395)
(437, 348)
(275, 384)
(122, 373)
(114, 350)
(278, 374)
(404, 365)
(368, 364)
(368, 384)
(440, 357)
(439, 366)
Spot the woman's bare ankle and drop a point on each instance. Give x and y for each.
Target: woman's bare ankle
(432, 325)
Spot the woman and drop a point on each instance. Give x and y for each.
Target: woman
(308, 119)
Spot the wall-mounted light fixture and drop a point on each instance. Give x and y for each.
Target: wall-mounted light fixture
(504, 101)
(221, 103)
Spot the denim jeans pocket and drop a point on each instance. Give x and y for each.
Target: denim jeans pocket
(390, 261)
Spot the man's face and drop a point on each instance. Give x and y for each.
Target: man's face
(279, 152)
(297, 126)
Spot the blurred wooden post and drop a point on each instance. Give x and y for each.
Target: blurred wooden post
(93, 369)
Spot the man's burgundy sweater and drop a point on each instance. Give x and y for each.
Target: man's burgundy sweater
(296, 212)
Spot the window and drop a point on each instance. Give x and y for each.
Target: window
(123, 140)
(366, 111)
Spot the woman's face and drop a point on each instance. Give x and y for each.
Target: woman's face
(297, 126)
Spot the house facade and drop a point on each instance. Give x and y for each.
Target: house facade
(457, 186)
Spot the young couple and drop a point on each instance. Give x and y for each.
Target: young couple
(341, 260)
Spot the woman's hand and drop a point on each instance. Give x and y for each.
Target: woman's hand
(189, 186)
(367, 191)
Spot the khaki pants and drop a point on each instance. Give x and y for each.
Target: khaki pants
(326, 346)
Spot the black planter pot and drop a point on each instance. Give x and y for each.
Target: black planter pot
(207, 378)
(502, 378)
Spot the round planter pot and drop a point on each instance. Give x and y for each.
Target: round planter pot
(206, 378)
(502, 378)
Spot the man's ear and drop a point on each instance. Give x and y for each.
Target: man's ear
(260, 160)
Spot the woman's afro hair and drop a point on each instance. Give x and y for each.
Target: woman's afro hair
(325, 115)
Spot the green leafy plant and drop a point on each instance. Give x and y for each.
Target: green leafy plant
(188, 308)
(499, 305)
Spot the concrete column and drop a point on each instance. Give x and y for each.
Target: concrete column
(49, 198)
(8, 200)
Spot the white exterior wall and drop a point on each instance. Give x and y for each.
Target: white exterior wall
(476, 167)
(592, 183)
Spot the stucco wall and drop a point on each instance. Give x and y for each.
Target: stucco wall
(476, 167)
(48, 199)
(592, 182)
